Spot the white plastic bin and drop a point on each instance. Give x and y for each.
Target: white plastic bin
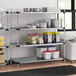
(55, 54)
(51, 48)
(40, 50)
(47, 55)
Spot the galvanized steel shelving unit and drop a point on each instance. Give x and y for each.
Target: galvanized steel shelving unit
(18, 45)
(6, 33)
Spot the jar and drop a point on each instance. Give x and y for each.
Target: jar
(33, 39)
(40, 39)
(57, 37)
(49, 37)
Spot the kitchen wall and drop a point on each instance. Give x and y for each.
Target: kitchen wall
(23, 20)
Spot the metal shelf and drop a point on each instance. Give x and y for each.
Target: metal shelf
(34, 12)
(26, 29)
(33, 59)
(25, 45)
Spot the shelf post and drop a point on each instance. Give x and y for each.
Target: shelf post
(64, 36)
(7, 43)
(17, 41)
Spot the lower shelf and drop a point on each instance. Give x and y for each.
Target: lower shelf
(33, 59)
(2, 64)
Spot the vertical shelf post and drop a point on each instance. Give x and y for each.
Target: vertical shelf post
(7, 41)
(17, 40)
(64, 36)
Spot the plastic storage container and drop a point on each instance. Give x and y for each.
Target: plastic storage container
(55, 54)
(49, 37)
(47, 55)
(40, 50)
(57, 37)
(51, 48)
(33, 39)
(40, 39)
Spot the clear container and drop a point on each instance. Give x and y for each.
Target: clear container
(33, 39)
(40, 39)
(28, 38)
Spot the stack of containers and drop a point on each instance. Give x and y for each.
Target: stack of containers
(34, 39)
(51, 37)
(1, 56)
(47, 52)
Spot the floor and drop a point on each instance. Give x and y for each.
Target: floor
(16, 67)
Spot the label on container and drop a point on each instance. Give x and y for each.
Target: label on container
(49, 38)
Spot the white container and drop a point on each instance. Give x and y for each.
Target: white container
(55, 54)
(40, 50)
(47, 55)
(51, 48)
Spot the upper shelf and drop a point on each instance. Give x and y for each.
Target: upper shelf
(25, 45)
(50, 10)
(28, 29)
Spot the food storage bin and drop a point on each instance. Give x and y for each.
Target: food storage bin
(47, 55)
(51, 48)
(40, 50)
(33, 39)
(55, 54)
(49, 37)
(40, 39)
(57, 37)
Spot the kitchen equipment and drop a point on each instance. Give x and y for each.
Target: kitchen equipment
(27, 9)
(47, 55)
(40, 50)
(36, 10)
(43, 25)
(55, 23)
(55, 54)
(49, 23)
